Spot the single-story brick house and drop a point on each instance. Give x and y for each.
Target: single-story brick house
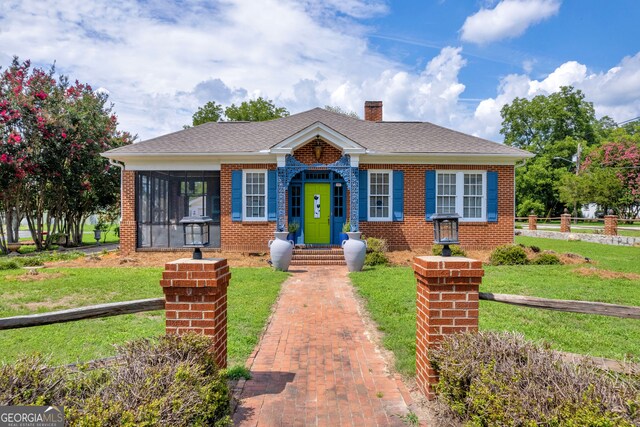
(319, 169)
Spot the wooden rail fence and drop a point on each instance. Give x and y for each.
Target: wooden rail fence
(584, 307)
(89, 312)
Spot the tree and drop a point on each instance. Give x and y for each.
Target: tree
(340, 110)
(532, 124)
(551, 127)
(52, 133)
(609, 177)
(256, 110)
(209, 112)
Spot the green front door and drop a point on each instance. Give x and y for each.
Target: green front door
(317, 201)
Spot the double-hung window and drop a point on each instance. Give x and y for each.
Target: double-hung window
(254, 195)
(463, 193)
(380, 195)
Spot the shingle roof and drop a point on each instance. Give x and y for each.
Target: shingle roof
(378, 137)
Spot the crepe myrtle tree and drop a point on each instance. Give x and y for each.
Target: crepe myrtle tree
(609, 177)
(51, 170)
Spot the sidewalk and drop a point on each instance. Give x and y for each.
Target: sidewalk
(315, 364)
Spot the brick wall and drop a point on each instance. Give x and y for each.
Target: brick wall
(446, 304)
(416, 233)
(128, 228)
(196, 300)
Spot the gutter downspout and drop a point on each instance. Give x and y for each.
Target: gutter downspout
(121, 166)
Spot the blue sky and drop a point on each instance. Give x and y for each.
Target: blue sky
(451, 62)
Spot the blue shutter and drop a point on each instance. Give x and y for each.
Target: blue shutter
(236, 195)
(430, 194)
(363, 196)
(492, 196)
(272, 195)
(398, 195)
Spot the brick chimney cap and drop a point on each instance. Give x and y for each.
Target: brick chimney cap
(373, 103)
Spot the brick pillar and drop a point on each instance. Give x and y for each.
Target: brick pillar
(565, 222)
(196, 300)
(533, 222)
(128, 226)
(447, 303)
(611, 225)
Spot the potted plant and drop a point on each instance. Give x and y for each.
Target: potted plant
(346, 227)
(293, 230)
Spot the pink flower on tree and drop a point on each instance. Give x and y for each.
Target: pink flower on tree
(41, 95)
(14, 138)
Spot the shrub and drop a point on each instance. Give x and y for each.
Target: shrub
(166, 381)
(455, 250)
(546, 259)
(492, 378)
(376, 252)
(9, 264)
(376, 258)
(31, 261)
(509, 255)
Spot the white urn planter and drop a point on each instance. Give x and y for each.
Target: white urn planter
(281, 251)
(354, 251)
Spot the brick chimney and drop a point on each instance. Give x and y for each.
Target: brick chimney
(373, 111)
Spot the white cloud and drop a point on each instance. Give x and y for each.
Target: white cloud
(615, 93)
(510, 18)
(159, 62)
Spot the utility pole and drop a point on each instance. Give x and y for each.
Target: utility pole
(578, 153)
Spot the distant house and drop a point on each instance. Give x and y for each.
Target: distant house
(319, 169)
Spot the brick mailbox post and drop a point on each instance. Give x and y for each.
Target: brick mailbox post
(196, 300)
(533, 222)
(447, 303)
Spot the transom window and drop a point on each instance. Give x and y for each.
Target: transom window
(255, 195)
(380, 195)
(462, 193)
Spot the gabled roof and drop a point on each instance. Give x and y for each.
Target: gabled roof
(261, 137)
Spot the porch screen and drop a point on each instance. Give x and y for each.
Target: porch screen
(164, 198)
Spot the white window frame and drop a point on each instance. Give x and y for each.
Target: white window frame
(381, 219)
(244, 196)
(460, 193)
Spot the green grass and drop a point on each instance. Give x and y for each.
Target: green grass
(610, 257)
(390, 296)
(251, 294)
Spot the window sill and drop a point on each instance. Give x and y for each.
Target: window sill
(255, 222)
(475, 223)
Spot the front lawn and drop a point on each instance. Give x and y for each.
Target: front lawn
(252, 292)
(614, 277)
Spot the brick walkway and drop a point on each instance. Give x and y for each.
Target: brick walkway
(315, 364)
